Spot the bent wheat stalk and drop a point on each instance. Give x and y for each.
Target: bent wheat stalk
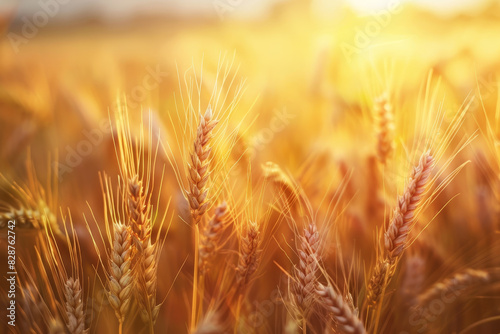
(452, 287)
(290, 193)
(27, 217)
(396, 235)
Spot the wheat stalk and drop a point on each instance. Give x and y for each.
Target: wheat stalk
(383, 113)
(341, 311)
(74, 307)
(137, 167)
(396, 235)
(120, 280)
(199, 167)
(197, 194)
(249, 257)
(210, 236)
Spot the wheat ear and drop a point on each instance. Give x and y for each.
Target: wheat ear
(31, 218)
(340, 310)
(453, 286)
(139, 211)
(199, 168)
(385, 125)
(396, 235)
(306, 272)
(210, 236)
(350, 302)
(74, 307)
(120, 280)
(413, 279)
(249, 255)
(148, 283)
(290, 192)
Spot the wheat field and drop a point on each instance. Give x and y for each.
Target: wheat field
(293, 174)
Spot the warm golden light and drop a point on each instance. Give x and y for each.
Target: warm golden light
(249, 166)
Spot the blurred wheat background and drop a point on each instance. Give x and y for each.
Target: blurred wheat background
(251, 167)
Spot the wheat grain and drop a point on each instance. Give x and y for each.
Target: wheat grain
(378, 281)
(148, 283)
(340, 310)
(385, 125)
(139, 211)
(210, 236)
(137, 167)
(413, 279)
(290, 192)
(249, 257)
(120, 280)
(31, 218)
(199, 167)
(396, 235)
(350, 302)
(306, 272)
(402, 221)
(74, 307)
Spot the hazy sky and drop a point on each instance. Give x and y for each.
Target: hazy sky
(123, 8)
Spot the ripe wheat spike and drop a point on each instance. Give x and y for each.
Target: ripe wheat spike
(341, 311)
(199, 172)
(396, 235)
